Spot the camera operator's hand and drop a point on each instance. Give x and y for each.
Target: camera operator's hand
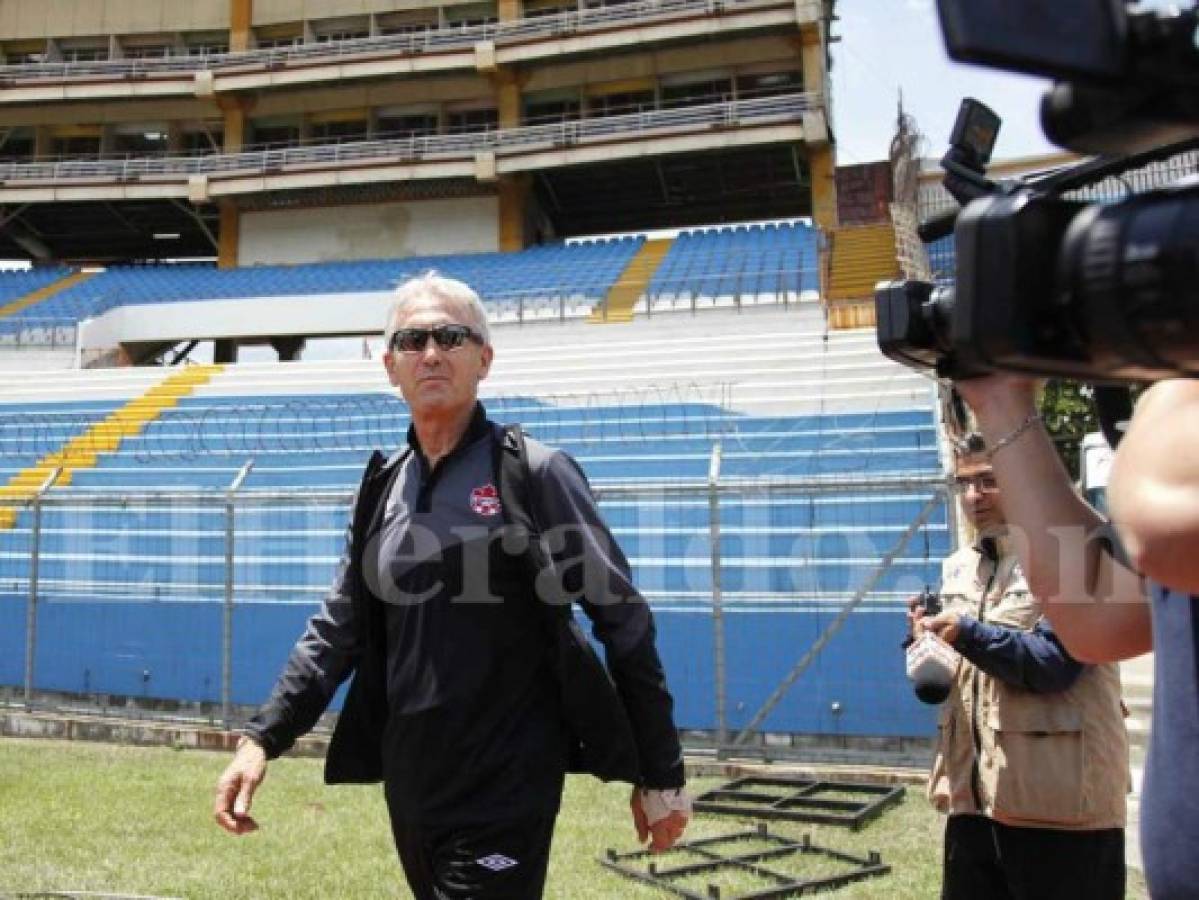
(947, 626)
(999, 399)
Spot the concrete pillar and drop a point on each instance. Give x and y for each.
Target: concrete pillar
(514, 198)
(224, 351)
(234, 112)
(42, 138)
(241, 18)
(822, 158)
(288, 348)
(229, 234)
(813, 57)
(822, 167)
(507, 98)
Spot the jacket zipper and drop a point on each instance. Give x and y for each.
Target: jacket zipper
(975, 775)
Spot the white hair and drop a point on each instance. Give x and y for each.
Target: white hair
(431, 284)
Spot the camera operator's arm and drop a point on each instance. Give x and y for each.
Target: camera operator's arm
(1098, 607)
(1034, 660)
(1154, 488)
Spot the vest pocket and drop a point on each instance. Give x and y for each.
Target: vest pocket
(1034, 769)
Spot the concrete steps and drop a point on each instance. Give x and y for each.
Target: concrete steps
(13, 361)
(861, 257)
(105, 436)
(762, 360)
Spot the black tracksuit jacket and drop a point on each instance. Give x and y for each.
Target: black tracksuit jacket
(454, 702)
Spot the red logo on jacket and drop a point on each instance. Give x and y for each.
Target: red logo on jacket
(485, 500)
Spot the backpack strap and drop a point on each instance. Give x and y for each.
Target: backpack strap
(515, 478)
(518, 502)
(600, 735)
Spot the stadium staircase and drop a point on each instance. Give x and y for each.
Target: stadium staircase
(45, 293)
(860, 257)
(632, 284)
(105, 436)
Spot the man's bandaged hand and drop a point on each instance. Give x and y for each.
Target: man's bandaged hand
(660, 816)
(660, 804)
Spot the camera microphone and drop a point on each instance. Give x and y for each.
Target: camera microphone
(931, 664)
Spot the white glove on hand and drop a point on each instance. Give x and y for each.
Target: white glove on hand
(660, 817)
(660, 804)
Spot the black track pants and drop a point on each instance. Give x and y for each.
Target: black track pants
(985, 860)
(501, 861)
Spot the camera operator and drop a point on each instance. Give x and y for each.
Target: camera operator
(1117, 615)
(1032, 759)
(1152, 495)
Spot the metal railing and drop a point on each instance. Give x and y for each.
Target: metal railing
(447, 37)
(784, 108)
(934, 199)
(213, 588)
(37, 332)
(32, 330)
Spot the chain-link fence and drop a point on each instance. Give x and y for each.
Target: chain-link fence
(779, 601)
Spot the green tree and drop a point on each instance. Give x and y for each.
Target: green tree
(1069, 414)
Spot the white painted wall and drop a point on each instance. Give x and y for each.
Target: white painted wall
(36, 360)
(370, 231)
(327, 314)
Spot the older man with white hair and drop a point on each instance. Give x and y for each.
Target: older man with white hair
(466, 698)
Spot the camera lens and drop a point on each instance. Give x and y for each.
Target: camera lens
(1131, 277)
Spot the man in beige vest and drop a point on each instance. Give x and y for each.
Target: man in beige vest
(1032, 758)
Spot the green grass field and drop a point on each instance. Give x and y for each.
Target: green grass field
(97, 817)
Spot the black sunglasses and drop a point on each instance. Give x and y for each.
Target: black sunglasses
(447, 337)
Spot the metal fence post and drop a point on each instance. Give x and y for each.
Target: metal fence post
(35, 540)
(942, 399)
(227, 624)
(722, 726)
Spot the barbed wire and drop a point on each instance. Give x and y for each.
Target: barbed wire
(351, 423)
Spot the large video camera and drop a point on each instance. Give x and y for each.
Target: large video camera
(1047, 284)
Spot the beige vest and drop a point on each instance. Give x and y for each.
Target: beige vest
(1055, 760)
